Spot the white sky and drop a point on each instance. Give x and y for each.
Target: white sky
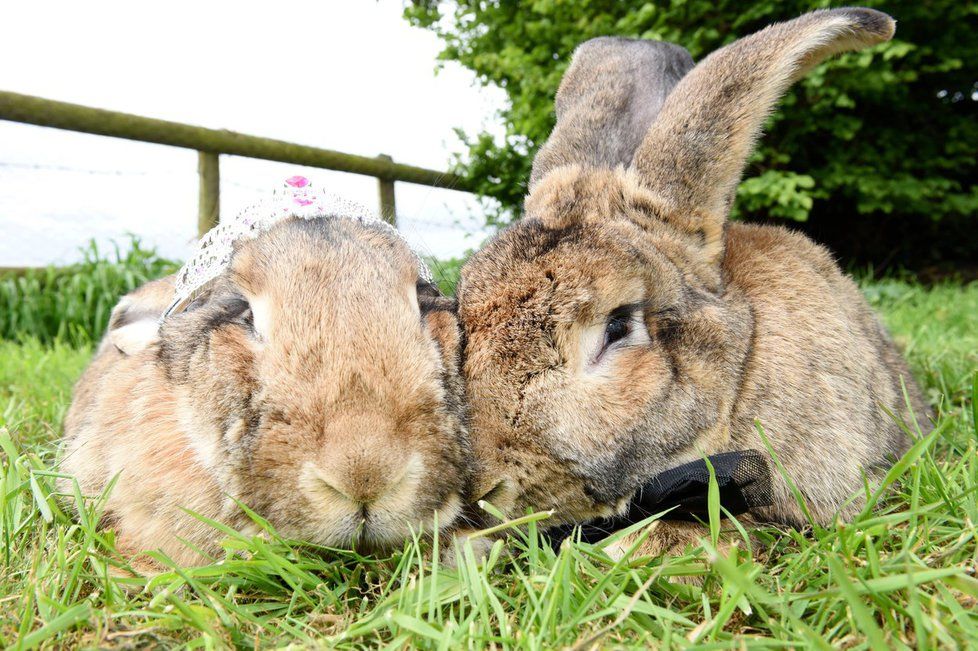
(349, 75)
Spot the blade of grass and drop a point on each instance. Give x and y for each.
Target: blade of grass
(713, 503)
(974, 403)
(69, 618)
(799, 498)
(41, 500)
(860, 612)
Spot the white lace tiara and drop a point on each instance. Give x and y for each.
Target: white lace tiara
(212, 255)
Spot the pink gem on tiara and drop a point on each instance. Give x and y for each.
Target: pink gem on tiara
(297, 181)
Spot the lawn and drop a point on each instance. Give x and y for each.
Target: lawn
(902, 574)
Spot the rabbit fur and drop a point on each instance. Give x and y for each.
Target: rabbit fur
(317, 383)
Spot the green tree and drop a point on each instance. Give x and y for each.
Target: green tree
(885, 133)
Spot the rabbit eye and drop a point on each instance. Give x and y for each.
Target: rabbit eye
(619, 326)
(238, 311)
(247, 318)
(247, 321)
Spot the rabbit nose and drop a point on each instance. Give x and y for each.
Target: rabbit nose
(362, 493)
(359, 482)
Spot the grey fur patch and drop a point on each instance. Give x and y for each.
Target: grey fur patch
(609, 96)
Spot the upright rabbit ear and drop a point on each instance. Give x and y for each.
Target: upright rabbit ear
(610, 94)
(694, 153)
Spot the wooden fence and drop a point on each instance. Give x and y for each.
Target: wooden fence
(211, 143)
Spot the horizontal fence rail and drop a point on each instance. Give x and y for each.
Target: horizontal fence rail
(210, 143)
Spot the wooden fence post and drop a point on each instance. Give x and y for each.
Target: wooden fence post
(385, 188)
(209, 203)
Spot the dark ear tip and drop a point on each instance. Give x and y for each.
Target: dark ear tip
(870, 21)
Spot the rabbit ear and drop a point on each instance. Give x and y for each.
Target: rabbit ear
(135, 321)
(610, 94)
(133, 330)
(694, 153)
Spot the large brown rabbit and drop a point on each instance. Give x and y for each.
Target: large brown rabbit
(316, 380)
(624, 326)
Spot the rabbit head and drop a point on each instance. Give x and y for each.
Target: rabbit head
(316, 381)
(604, 338)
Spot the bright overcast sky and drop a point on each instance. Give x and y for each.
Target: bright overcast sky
(349, 75)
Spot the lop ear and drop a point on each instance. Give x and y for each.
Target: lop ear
(135, 321)
(694, 153)
(610, 94)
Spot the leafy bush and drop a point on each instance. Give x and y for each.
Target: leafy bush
(73, 303)
(889, 132)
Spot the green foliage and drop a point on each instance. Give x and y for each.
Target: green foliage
(892, 130)
(902, 575)
(446, 273)
(74, 303)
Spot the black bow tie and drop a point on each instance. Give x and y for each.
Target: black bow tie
(743, 477)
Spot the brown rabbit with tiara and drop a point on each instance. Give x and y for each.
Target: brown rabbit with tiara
(624, 326)
(316, 380)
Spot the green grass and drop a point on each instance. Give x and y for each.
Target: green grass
(902, 575)
(73, 303)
